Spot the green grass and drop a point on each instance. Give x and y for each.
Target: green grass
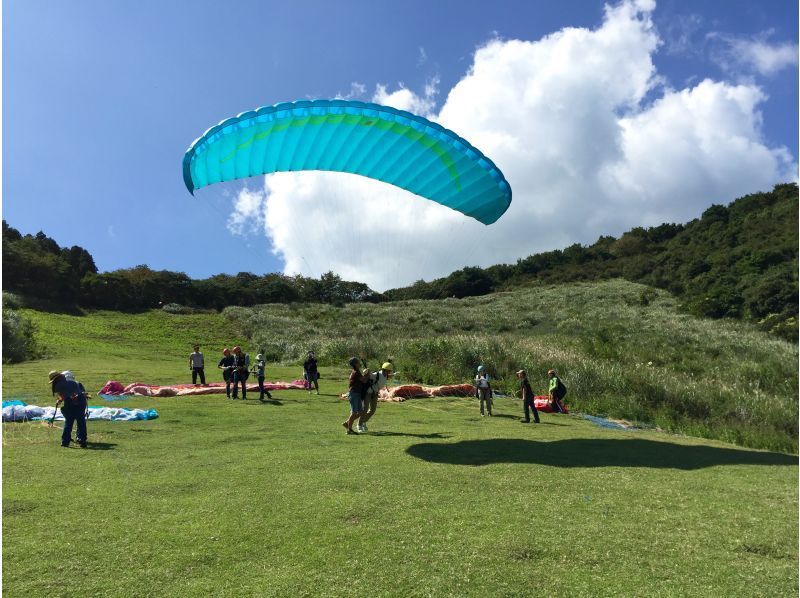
(623, 350)
(230, 499)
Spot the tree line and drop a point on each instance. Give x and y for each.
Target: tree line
(737, 261)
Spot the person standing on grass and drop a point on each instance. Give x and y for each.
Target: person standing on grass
(73, 396)
(259, 369)
(197, 365)
(241, 370)
(556, 390)
(527, 398)
(483, 390)
(355, 393)
(226, 365)
(377, 380)
(310, 372)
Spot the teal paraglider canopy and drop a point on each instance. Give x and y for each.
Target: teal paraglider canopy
(370, 140)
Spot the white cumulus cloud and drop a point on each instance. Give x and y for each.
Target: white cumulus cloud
(756, 55)
(571, 121)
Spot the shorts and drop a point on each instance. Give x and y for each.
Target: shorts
(356, 404)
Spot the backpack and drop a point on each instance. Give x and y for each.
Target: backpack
(561, 390)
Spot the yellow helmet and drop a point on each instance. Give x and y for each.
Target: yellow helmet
(387, 365)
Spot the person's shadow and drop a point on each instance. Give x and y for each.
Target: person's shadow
(586, 452)
(100, 446)
(387, 433)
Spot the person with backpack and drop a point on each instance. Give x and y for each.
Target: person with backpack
(527, 398)
(197, 365)
(377, 380)
(310, 372)
(483, 390)
(241, 370)
(557, 392)
(355, 392)
(72, 397)
(226, 365)
(259, 370)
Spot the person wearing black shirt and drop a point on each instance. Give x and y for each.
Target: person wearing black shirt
(226, 365)
(310, 372)
(527, 398)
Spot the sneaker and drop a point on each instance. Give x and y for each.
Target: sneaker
(349, 431)
(64, 445)
(363, 427)
(83, 445)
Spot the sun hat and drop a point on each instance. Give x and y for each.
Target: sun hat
(53, 375)
(521, 373)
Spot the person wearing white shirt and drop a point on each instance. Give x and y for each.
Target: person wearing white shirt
(377, 380)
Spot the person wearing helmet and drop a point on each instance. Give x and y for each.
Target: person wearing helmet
(259, 370)
(483, 390)
(226, 365)
(355, 392)
(241, 370)
(377, 380)
(75, 403)
(310, 372)
(556, 390)
(197, 365)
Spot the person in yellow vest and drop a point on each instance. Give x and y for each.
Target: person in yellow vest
(557, 391)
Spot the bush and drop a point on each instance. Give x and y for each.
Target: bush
(176, 308)
(19, 343)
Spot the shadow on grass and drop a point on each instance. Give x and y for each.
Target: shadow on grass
(264, 402)
(584, 452)
(99, 446)
(432, 435)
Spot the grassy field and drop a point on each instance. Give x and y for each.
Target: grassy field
(623, 350)
(243, 498)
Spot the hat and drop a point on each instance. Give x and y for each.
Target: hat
(259, 357)
(53, 375)
(551, 372)
(521, 373)
(387, 366)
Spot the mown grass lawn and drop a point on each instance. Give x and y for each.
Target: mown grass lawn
(227, 498)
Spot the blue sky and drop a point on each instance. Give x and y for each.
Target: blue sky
(101, 100)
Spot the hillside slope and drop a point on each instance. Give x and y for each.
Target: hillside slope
(623, 349)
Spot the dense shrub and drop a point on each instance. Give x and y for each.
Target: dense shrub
(19, 343)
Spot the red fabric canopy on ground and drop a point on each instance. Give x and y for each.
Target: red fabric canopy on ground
(113, 387)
